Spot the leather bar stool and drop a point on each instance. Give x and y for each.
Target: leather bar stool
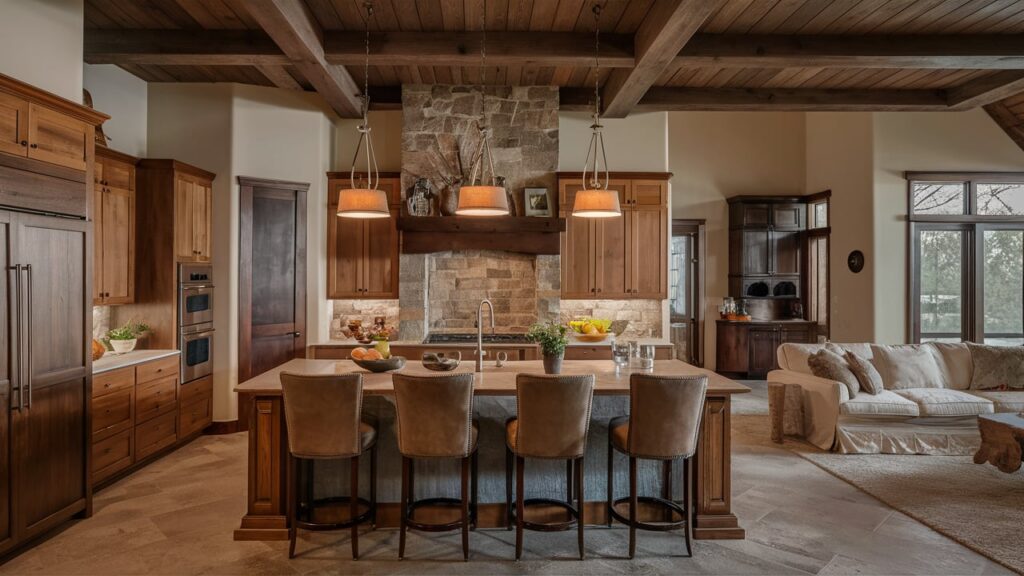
(323, 417)
(553, 417)
(435, 420)
(663, 424)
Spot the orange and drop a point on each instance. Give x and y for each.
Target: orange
(358, 353)
(372, 355)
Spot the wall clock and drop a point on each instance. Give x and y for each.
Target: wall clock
(855, 261)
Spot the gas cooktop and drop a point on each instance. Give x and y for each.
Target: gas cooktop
(471, 339)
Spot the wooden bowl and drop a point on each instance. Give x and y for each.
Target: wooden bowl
(439, 362)
(386, 365)
(592, 337)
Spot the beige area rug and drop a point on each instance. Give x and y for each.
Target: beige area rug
(976, 505)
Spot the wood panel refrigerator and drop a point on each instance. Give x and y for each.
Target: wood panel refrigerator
(45, 380)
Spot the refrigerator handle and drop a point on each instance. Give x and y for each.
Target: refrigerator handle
(16, 338)
(28, 340)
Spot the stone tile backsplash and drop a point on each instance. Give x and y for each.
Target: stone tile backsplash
(365, 310)
(644, 316)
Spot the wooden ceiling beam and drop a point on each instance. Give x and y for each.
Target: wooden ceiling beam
(279, 77)
(730, 99)
(993, 51)
(668, 26)
(295, 31)
(1008, 120)
(182, 48)
(986, 90)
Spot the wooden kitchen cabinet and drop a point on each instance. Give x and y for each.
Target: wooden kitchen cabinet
(113, 228)
(617, 258)
(362, 254)
(13, 125)
(749, 349)
(58, 139)
(192, 217)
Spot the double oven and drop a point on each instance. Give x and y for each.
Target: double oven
(195, 320)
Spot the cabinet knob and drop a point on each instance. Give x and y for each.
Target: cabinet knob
(24, 142)
(33, 146)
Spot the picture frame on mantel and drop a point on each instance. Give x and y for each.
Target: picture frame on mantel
(537, 203)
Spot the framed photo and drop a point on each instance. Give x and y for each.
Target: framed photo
(537, 202)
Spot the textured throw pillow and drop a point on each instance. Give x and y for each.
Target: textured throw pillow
(907, 366)
(954, 360)
(831, 366)
(867, 376)
(997, 367)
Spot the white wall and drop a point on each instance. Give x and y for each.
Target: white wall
(635, 144)
(41, 44)
(125, 98)
(386, 130)
(715, 155)
(923, 141)
(840, 157)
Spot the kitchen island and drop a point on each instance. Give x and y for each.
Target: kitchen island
(495, 387)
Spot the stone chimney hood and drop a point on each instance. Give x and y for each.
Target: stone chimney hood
(526, 235)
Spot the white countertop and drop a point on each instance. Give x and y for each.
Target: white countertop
(111, 361)
(572, 342)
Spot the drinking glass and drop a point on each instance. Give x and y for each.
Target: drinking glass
(647, 357)
(620, 354)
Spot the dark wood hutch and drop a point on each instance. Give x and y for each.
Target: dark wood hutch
(766, 268)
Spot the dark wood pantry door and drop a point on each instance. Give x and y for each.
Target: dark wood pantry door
(271, 275)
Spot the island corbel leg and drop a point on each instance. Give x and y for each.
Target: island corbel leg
(265, 517)
(714, 519)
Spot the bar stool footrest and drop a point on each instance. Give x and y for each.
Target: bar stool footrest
(437, 527)
(548, 526)
(660, 502)
(302, 519)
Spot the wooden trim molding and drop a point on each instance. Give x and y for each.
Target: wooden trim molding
(39, 96)
(271, 183)
(177, 166)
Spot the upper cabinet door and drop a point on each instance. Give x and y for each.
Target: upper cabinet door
(184, 215)
(649, 193)
(750, 215)
(98, 191)
(59, 139)
(578, 249)
(118, 231)
(649, 253)
(13, 125)
(789, 216)
(117, 174)
(345, 251)
(202, 206)
(380, 264)
(613, 258)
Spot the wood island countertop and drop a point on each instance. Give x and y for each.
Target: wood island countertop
(493, 381)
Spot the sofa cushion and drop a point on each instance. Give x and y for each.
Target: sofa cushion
(1002, 400)
(997, 367)
(955, 364)
(831, 366)
(944, 402)
(907, 366)
(862, 350)
(794, 356)
(886, 403)
(867, 376)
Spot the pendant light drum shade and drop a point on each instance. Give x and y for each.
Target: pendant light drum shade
(482, 201)
(363, 203)
(600, 203)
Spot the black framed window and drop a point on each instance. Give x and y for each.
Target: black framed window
(967, 257)
(816, 250)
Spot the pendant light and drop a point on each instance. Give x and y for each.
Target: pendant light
(369, 201)
(595, 200)
(483, 199)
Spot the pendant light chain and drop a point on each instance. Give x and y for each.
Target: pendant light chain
(596, 147)
(482, 125)
(372, 172)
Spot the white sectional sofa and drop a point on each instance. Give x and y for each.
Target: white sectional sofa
(937, 416)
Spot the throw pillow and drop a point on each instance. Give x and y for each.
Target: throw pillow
(867, 376)
(954, 360)
(907, 366)
(997, 367)
(831, 366)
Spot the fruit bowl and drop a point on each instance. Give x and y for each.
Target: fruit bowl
(592, 337)
(439, 362)
(590, 329)
(383, 365)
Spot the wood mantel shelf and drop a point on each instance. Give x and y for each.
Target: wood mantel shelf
(426, 234)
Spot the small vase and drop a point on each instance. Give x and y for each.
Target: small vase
(553, 363)
(448, 201)
(384, 347)
(123, 346)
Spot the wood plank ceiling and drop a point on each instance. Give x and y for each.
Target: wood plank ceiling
(746, 54)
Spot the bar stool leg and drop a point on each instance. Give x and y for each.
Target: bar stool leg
(404, 512)
(632, 506)
(373, 487)
(465, 507)
(688, 503)
(666, 486)
(569, 474)
(353, 505)
(520, 508)
(579, 504)
(508, 488)
(293, 504)
(611, 480)
(474, 500)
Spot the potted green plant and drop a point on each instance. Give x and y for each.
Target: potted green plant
(123, 339)
(553, 339)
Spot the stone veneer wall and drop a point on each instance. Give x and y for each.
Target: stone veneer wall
(365, 310)
(644, 316)
(439, 125)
